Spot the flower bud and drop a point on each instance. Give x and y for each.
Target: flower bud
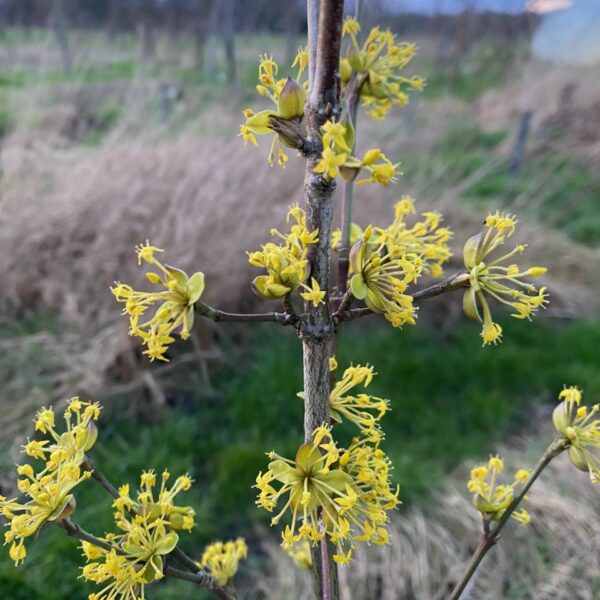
(292, 97)
(92, 436)
(357, 61)
(560, 418)
(345, 70)
(577, 458)
(536, 271)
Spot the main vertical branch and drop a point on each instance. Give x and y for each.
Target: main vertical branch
(317, 330)
(323, 103)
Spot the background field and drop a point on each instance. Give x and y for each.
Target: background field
(94, 159)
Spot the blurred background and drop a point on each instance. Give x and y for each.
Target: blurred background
(118, 123)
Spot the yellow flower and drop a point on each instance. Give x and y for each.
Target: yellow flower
(286, 264)
(363, 410)
(145, 536)
(492, 498)
(300, 553)
(379, 61)
(348, 488)
(174, 304)
(425, 237)
(288, 95)
(330, 163)
(503, 283)
(221, 560)
(71, 445)
(334, 134)
(313, 294)
(380, 272)
(50, 500)
(580, 427)
(383, 172)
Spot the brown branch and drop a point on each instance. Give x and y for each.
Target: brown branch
(89, 464)
(75, 531)
(220, 316)
(316, 326)
(457, 281)
(203, 579)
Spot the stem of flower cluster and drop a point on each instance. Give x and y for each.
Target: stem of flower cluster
(490, 538)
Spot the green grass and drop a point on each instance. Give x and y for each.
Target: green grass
(451, 400)
(555, 190)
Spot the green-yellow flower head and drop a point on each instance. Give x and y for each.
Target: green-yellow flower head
(380, 272)
(49, 500)
(173, 304)
(287, 94)
(221, 560)
(363, 410)
(378, 63)
(580, 427)
(48, 492)
(349, 489)
(337, 158)
(503, 283)
(146, 535)
(71, 445)
(286, 264)
(492, 498)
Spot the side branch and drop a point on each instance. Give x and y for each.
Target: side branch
(491, 536)
(226, 317)
(201, 578)
(457, 281)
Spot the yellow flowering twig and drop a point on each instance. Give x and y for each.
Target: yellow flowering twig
(490, 536)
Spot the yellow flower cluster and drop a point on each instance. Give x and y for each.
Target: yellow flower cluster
(363, 410)
(503, 283)
(147, 527)
(378, 62)
(48, 492)
(287, 94)
(300, 553)
(580, 426)
(425, 238)
(336, 158)
(380, 272)
(174, 303)
(349, 489)
(221, 560)
(492, 498)
(286, 263)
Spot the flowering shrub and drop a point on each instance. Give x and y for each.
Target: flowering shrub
(335, 493)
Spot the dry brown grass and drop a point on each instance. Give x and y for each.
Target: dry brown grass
(557, 557)
(71, 218)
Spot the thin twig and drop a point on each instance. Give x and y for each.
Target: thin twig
(75, 531)
(201, 578)
(490, 538)
(89, 464)
(326, 567)
(226, 317)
